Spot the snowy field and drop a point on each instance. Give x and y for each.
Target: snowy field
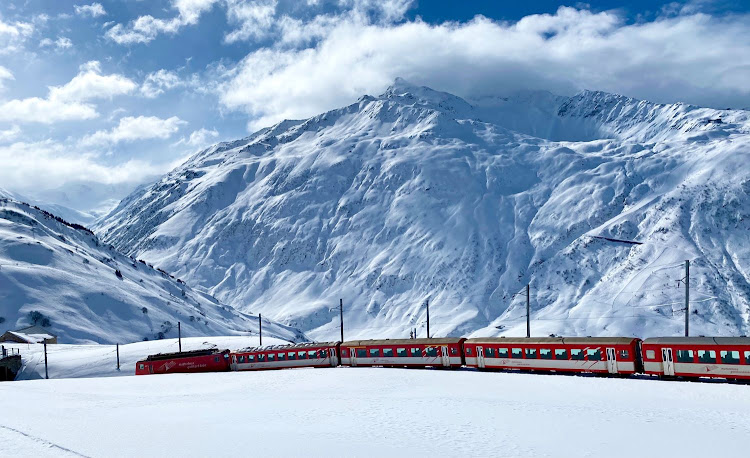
(372, 412)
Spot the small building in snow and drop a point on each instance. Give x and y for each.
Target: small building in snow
(29, 335)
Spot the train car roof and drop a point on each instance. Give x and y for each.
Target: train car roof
(435, 341)
(554, 340)
(289, 346)
(698, 340)
(184, 354)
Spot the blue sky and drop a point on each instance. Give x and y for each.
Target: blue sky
(98, 97)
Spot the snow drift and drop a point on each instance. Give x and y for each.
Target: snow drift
(418, 194)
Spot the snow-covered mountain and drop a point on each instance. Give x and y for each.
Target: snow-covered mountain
(418, 194)
(61, 276)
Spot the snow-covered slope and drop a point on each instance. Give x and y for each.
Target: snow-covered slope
(419, 194)
(63, 272)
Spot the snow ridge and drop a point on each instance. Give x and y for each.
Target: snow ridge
(417, 194)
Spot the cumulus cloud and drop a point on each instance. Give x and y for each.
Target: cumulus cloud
(70, 101)
(693, 57)
(11, 134)
(13, 35)
(61, 43)
(146, 28)
(92, 10)
(255, 19)
(135, 128)
(157, 82)
(47, 165)
(199, 138)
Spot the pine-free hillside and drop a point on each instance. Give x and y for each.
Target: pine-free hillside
(60, 276)
(418, 194)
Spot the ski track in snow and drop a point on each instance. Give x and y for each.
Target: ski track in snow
(18, 443)
(378, 412)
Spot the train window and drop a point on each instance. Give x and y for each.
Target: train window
(576, 354)
(241, 359)
(531, 353)
(271, 357)
(432, 351)
(250, 358)
(706, 356)
(594, 354)
(684, 356)
(313, 354)
(489, 352)
(502, 352)
(650, 354)
(301, 355)
(291, 356)
(261, 358)
(401, 352)
(416, 352)
(624, 354)
(141, 366)
(516, 352)
(747, 357)
(730, 357)
(454, 351)
(545, 353)
(561, 353)
(374, 353)
(387, 352)
(216, 359)
(281, 356)
(468, 351)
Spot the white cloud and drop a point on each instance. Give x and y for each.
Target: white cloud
(158, 82)
(13, 35)
(60, 43)
(135, 128)
(70, 101)
(146, 28)
(695, 58)
(255, 19)
(92, 10)
(11, 134)
(199, 138)
(5, 75)
(33, 166)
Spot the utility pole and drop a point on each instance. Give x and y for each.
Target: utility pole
(428, 318)
(179, 337)
(118, 356)
(46, 372)
(687, 297)
(260, 329)
(528, 316)
(341, 315)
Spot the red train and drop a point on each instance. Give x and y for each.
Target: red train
(720, 357)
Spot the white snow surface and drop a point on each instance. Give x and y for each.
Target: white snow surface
(418, 194)
(65, 273)
(77, 361)
(372, 412)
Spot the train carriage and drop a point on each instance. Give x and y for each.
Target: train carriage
(211, 360)
(604, 355)
(440, 352)
(286, 357)
(722, 357)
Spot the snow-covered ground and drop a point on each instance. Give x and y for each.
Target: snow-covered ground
(75, 361)
(372, 412)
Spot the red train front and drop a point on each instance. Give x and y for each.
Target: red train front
(188, 361)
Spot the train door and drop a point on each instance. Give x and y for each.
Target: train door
(611, 361)
(332, 355)
(480, 357)
(233, 366)
(444, 355)
(353, 356)
(666, 357)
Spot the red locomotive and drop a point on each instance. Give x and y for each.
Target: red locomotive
(188, 361)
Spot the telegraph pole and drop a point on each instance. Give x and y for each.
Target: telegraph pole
(118, 356)
(179, 337)
(687, 297)
(46, 373)
(528, 308)
(428, 318)
(260, 330)
(341, 312)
